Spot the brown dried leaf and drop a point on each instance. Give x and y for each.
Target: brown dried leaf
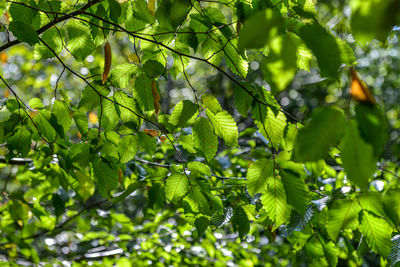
(156, 97)
(163, 138)
(151, 132)
(107, 61)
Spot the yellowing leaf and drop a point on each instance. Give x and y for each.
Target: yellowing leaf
(151, 5)
(133, 58)
(359, 91)
(93, 118)
(3, 57)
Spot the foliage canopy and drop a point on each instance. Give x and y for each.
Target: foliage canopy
(182, 132)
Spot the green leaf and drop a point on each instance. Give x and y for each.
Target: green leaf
(372, 125)
(299, 239)
(178, 12)
(86, 186)
(79, 40)
(204, 138)
(258, 176)
(183, 112)
(199, 168)
(36, 103)
(280, 66)
(153, 68)
(132, 23)
(243, 101)
(314, 249)
(325, 129)
(331, 252)
(90, 97)
(80, 153)
(156, 197)
(81, 122)
(304, 8)
(362, 247)
(106, 175)
(271, 126)
(115, 10)
(211, 102)
(176, 187)
(158, 174)
(274, 202)
(299, 222)
(141, 12)
(196, 199)
(127, 147)
(41, 120)
(324, 47)
(186, 141)
(50, 6)
(109, 150)
(240, 222)
(304, 55)
(233, 60)
(357, 157)
(290, 136)
(201, 224)
(142, 92)
(125, 114)
(377, 233)
(53, 39)
(373, 19)
(58, 204)
(391, 205)
(346, 52)
(343, 214)
(122, 73)
(394, 254)
(21, 13)
(371, 201)
(296, 191)
(147, 143)
(259, 29)
(163, 15)
(20, 141)
(108, 117)
(224, 126)
(24, 32)
(61, 111)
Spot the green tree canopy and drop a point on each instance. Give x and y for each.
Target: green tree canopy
(199, 133)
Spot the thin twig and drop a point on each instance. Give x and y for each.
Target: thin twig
(189, 83)
(58, 80)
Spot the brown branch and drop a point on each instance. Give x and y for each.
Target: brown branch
(16, 161)
(152, 163)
